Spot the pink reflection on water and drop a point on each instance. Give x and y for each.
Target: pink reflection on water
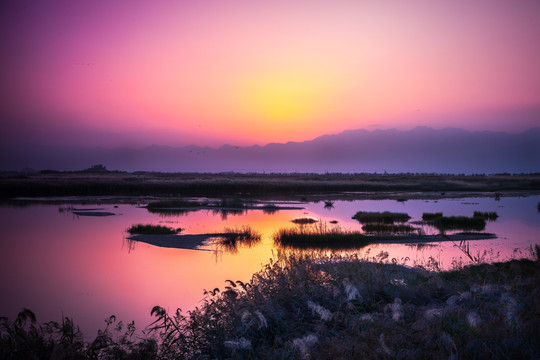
(54, 263)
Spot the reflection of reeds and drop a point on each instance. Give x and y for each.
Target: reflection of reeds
(232, 237)
(304, 221)
(459, 223)
(431, 216)
(173, 204)
(489, 216)
(378, 228)
(270, 208)
(319, 237)
(386, 217)
(152, 230)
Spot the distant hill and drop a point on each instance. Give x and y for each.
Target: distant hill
(421, 149)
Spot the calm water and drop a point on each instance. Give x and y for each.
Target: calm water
(58, 263)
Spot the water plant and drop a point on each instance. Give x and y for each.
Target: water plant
(489, 216)
(319, 236)
(431, 216)
(152, 230)
(270, 208)
(385, 217)
(234, 203)
(173, 204)
(304, 220)
(381, 228)
(328, 204)
(231, 237)
(465, 223)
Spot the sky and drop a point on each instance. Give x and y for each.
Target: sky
(172, 72)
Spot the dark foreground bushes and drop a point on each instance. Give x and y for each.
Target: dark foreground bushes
(329, 307)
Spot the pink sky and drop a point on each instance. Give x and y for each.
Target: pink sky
(172, 72)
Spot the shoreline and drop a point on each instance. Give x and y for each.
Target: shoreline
(129, 187)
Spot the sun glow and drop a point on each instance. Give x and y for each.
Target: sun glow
(284, 97)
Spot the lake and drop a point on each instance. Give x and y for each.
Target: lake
(56, 263)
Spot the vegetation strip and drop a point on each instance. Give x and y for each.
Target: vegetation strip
(272, 185)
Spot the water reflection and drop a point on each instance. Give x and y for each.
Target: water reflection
(80, 266)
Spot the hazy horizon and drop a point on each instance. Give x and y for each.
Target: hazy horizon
(422, 149)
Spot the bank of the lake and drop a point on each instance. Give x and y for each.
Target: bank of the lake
(363, 185)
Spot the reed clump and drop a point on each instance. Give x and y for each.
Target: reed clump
(381, 228)
(464, 223)
(431, 216)
(246, 235)
(386, 217)
(304, 221)
(150, 229)
(488, 216)
(320, 236)
(173, 204)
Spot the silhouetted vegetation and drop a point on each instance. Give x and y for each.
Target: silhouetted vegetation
(431, 216)
(387, 217)
(152, 230)
(380, 228)
(55, 183)
(465, 223)
(174, 204)
(320, 236)
(270, 208)
(489, 216)
(245, 235)
(304, 221)
(302, 306)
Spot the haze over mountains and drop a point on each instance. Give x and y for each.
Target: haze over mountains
(421, 149)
